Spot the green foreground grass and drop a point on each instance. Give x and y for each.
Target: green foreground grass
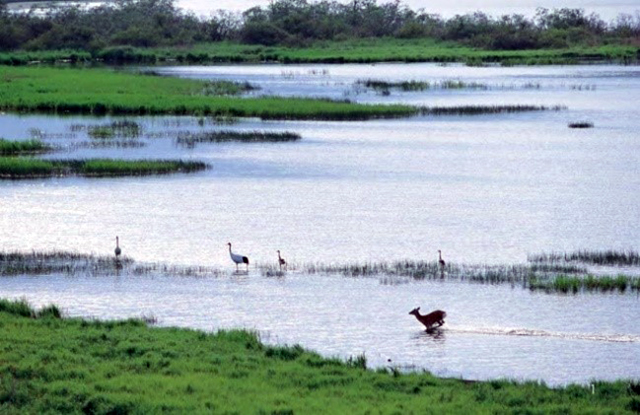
(27, 168)
(102, 91)
(348, 51)
(54, 365)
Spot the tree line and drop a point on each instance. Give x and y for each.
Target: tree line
(296, 23)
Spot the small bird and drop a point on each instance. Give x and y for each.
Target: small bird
(441, 261)
(281, 261)
(238, 259)
(118, 251)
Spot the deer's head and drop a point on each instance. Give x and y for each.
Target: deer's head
(415, 311)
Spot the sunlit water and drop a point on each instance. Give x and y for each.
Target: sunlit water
(483, 189)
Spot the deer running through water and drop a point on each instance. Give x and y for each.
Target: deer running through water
(435, 317)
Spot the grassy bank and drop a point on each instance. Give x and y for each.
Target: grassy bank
(349, 51)
(53, 365)
(101, 91)
(28, 168)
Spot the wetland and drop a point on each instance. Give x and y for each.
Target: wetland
(536, 221)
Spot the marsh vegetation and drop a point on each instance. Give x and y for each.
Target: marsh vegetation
(13, 148)
(102, 92)
(191, 139)
(29, 168)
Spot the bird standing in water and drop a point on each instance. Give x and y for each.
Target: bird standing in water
(118, 251)
(440, 260)
(281, 261)
(238, 259)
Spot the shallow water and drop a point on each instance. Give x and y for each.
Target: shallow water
(483, 189)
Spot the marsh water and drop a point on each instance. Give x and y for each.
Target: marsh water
(483, 189)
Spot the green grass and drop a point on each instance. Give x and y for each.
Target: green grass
(574, 284)
(101, 91)
(12, 148)
(52, 365)
(349, 51)
(28, 168)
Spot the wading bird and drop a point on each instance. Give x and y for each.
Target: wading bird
(281, 261)
(440, 260)
(238, 259)
(118, 251)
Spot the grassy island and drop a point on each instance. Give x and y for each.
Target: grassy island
(50, 364)
(102, 91)
(29, 168)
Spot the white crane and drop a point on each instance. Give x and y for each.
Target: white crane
(281, 261)
(118, 251)
(440, 260)
(238, 259)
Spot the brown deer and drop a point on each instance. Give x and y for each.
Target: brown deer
(435, 317)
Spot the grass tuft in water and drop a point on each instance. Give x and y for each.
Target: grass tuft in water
(124, 129)
(191, 139)
(13, 148)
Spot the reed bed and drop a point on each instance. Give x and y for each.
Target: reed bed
(27, 168)
(190, 138)
(575, 284)
(72, 264)
(581, 124)
(413, 85)
(550, 278)
(487, 109)
(420, 270)
(601, 258)
(13, 148)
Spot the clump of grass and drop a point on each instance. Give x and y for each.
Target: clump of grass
(219, 87)
(12, 148)
(125, 129)
(27, 168)
(608, 257)
(24, 309)
(581, 124)
(242, 136)
(574, 284)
